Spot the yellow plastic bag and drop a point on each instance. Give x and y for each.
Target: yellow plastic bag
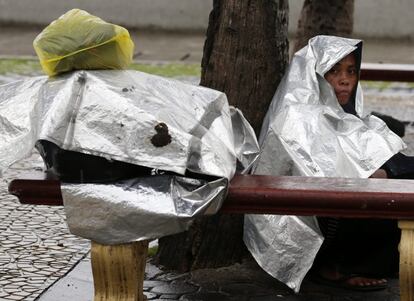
(78, 40)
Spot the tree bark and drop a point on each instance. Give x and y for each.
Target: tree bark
(245, 56)
(324, 17)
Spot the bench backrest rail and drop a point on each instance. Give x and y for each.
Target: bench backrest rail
(366, 198)
(387, 72)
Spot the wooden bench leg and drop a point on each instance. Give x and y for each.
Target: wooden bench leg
(406, 260)
(118, 271)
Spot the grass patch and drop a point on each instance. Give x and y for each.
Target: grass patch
(385, 85)
(22, 66)
(152, 251)
(376, 85)
(168, 70)
(19, 66)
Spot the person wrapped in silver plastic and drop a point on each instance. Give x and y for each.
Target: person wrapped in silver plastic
(308, 131)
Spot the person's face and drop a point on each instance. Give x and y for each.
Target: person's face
(343, 78)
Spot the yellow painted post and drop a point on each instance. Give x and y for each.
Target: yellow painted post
(118, 271)
(406, 260)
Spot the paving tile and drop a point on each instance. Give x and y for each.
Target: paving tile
(268, 298)
(14, 297)
(170, 276)
(30, 289)
(209, 287)
(245, 289)
(153, 283)
(150, 296)
(212, 297)
(20, 283)
(152, 271)
(28, 264)
(175, 288)
(169, 297)
(4, 282)
(23, 293)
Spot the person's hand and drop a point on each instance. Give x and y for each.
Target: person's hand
(380, 173)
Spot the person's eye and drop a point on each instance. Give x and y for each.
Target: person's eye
(352, 71)
(333, 71)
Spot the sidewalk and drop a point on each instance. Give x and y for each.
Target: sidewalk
(170, 46)
(149, 46)
(240, 282)
(36, 248)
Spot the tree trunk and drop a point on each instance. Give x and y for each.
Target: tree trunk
(245, 56)
(327, 17)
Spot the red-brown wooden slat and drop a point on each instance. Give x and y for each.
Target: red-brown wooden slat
(45, 189)
(387, 72)
(379, 198)
(37, 192)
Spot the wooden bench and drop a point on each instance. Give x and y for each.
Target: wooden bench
(360, 198)
(387, 72)
(337, 197)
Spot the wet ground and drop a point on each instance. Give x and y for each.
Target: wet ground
(188, 47)
(36, 248)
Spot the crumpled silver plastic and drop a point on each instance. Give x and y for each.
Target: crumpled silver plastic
(140, 208)
(306, 132)
(115, 114)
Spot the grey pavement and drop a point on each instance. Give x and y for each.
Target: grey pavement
(188, 47)
(149, 45)
(36, 248)
(41, 260)
(239, 282)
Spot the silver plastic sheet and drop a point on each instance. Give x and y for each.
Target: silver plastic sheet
(141, 208)
(245, 142)
(306, 132)
(113, 114)
(137, 118)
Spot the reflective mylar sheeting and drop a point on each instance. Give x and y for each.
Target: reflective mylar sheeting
(306, 132)
(245, 142)
(137, 118)
(282, 253)
(18, 119)
(115, 114)
(139, 209)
